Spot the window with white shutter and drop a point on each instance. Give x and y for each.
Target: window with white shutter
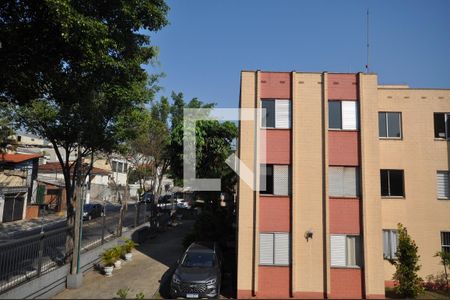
(343, 115)
(442, 185)
(276, 114)
(343, 181)
(337, 246)
(281, 256)
(282, 113)
(281, 180)
(345, 251)
(274, 249)
(349, 115)
(275, 179)
(390, 243)
(266, 248)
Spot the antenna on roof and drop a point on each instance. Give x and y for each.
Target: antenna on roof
(368, 45)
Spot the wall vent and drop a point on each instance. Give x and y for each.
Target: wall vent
(282, 81)
(301, 82)
(423, 97)
(406, 97)
(335, 82)
(263, 81)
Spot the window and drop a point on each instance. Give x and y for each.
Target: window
(441, 126)
(442, 185)
(345, 251)
(277, 113)
(274, 249)
(275, 179)
(392, 183)
(390, 124)
(114, 166)
(390, 243)
(19, 138)
(343, 181)
(343, 115)
(125, 167)
(445, 241)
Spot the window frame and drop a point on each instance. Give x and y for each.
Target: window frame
(357, 182)
(357, 115)
(391, 253)
(358, 257)
(448, 182)
(446, 118)
(275, 114)
(274, 233)
(389, 185)
(400, 119)
(445, 247)
(272, 185)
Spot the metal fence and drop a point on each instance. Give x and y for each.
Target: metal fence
(26, 258)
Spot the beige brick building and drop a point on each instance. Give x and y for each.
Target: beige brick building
(346, 159)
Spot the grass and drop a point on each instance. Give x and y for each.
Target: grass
(390, 294)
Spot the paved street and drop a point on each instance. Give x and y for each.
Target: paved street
(151, 263)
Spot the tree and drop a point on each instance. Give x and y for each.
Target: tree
(213, 146)
(79, 76)
(445, 261)
(407, 265)
(6, 141)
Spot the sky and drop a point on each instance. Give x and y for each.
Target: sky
(208, 43)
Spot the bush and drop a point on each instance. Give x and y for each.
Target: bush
(436, 282)
(407, 266)
(110, 256)
(129, 245)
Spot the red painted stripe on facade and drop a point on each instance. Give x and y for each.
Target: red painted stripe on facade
(275, 85)
(277, 148)
(342, 86)
(343, 148)
(274, 214)
(345, 283)
(244, 294)
(273, 282)
(308, 295)
(344, 216)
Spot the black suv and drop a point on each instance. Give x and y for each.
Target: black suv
(198, 274)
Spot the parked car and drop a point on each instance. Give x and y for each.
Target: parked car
(92, 211)
(147, 198)
(165, 202)
(198, 274)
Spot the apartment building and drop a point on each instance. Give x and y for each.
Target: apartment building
(345, 160)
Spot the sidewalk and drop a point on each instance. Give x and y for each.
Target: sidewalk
(150, 262)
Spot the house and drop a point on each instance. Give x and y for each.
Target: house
(18, 185)
(97, 182)
(345, 160)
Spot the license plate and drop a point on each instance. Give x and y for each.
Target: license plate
(191, 295)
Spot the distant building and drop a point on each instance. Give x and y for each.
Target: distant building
(346, 159)
(18, 185)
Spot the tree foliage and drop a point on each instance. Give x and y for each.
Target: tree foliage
(72, 71)
(445, 262)
(407, 265)
(214, 141)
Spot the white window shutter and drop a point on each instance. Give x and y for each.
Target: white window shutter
(349, 115)
(386, 244)
(282, 113)
(266, 248)
(281, 180)
(393, 240)
(350, 182)
(337, 246)
(336, 181)
(442, 185)
(282, 249)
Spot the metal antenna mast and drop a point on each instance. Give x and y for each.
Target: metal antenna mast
(368, 45)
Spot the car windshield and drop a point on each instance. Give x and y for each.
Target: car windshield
(198, 260)
(88, 207)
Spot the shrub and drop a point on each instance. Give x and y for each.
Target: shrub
(407, 266)
(436, 282)
(109, 257)
(129, 245)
